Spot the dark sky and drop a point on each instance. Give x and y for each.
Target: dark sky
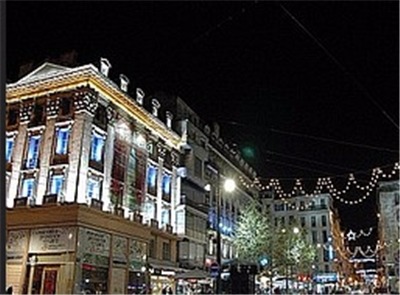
(247, 65)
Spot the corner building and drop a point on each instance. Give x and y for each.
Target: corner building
(91, 184)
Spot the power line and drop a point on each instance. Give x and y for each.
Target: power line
(310, 161)
(334, 141)
(343, 68)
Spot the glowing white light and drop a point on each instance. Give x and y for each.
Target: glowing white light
(296, 230)
(207, 187)
(229, 185)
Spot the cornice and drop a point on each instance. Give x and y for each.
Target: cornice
(88, 75)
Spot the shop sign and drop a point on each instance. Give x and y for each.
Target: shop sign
(120, 249)
(16, 244)
(95, 247)
(326, 278)
(51, 240)
(137, 251)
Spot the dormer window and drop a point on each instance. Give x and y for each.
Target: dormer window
(105, 66)
(156, 105)
(139, 96)
(124, 82)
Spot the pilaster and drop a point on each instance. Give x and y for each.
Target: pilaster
(108, 159)
(18, 153)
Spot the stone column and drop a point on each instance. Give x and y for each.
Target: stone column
(18, 153)
(46, 152)
(108, 159)
(85, 105)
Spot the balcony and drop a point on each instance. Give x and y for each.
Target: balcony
(96, 165)
(21, 202)
(50, 199)
(97, 204)
(60, 159)
(314, 208)
(154, 223)
(196, 205)
(168, 228)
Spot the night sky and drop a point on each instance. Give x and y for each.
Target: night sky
(279, 77)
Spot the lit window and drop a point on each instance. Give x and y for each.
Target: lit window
(33, 151)
(166, 185)
(180, 222)
(149, 210)
(56, 184)
(9, 148)
(164, 217)
(152, 179)
(27, 187)
(93, 188)
(62, 136)
(96, 152)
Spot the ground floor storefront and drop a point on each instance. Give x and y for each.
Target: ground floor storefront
(73, 249)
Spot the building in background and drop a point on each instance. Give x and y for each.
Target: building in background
(76, 142)
(389, 234)
(207, 160)
(319, 220)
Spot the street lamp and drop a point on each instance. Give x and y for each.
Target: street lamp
(229, 186)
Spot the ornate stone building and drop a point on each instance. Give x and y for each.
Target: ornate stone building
(77, 146)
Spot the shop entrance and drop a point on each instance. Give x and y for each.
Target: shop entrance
(44, 279)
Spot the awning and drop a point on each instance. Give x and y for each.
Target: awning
(193, 274)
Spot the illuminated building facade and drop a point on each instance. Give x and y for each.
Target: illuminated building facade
(389, 234)
(76, 139)
(316, 216)
(206, 160)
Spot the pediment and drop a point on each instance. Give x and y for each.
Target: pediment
(45, 70)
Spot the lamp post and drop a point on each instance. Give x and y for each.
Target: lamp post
(229, 186)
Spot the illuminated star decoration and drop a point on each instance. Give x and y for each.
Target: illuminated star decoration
(351, 236)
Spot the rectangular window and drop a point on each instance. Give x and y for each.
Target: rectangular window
(291, 219)
(326, 268)
(62, 136)
(303, 221)
(198, 167)
(9, 148)
(165, 217)
(33, 151)
(180, 222)
(152, 248)
(313, 221)
(56, 183)
(324, 236)
(283, 220)
(27, 187)
(323, 220)
(323, 203)
(93, 188)
(149, 210)
(166, 251)
(152, 180)
(166, 187)
(97, 146)
(314, 237)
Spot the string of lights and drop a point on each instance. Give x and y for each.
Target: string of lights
(326, 185)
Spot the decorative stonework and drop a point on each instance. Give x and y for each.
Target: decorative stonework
(161, 150)
(175, 158)
(111, 115)
(25, 112)
(85, 101)
(52, 107)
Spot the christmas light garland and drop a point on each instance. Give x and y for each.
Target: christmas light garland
(325, 184)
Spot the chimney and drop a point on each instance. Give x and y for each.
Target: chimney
(139, 96)
(124, 82)
(216, 129)
(169, 117)
(156, 106)
(105, 66)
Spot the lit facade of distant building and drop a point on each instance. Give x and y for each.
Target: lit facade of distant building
(75, 138)
(389, 234)
(316, 216)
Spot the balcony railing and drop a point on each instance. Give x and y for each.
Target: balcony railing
(60, 159)
(314, 208)
(50, 199)
(199, 206)
(96, 165)
(97, 204)
(154, 223)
